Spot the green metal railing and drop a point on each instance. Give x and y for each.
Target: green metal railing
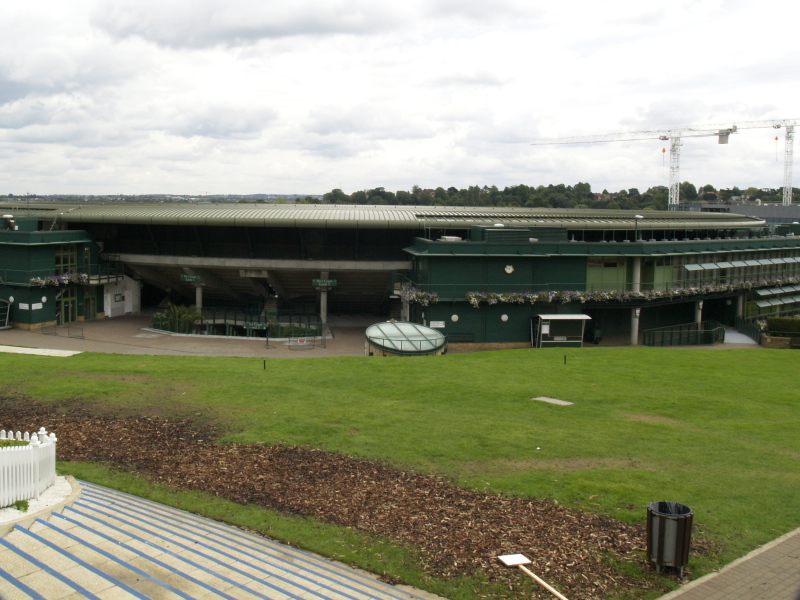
(5, 309)
(704, 333)
(237, 322)
(102, 272)
(748, 328)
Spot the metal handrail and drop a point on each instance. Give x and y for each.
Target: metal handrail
(703, 333)
(748, 328)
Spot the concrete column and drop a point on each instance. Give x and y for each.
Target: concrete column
(636, 283)
(405, 310)
(698, 311)
(635, 312)
(323, 300)
(198, 297)
(740, 306)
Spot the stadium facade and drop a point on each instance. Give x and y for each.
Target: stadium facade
(480, 275)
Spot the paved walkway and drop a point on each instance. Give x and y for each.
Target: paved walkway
(130, 335)
(102, 544)
(771, 572)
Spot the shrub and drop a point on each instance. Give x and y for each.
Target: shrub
(177, 318)
(7, 443)
(783, 324)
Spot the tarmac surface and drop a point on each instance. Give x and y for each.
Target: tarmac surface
(131, 334)
(770, 572)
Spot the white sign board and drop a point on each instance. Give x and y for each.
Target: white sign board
(437, 324)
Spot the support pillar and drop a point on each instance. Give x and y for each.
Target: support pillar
(198, 297)
(740, 306)
(323, 300)
(636, 282)
(698, 311)
(635, 312)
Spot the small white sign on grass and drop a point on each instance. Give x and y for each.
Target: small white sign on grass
(553, 401)
(512, 560)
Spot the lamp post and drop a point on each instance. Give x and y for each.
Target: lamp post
(636, 219)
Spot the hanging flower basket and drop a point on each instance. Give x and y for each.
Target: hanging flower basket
(564, 297)
(415, 296)
(60, 280)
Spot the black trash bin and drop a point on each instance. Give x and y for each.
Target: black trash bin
(669, 534)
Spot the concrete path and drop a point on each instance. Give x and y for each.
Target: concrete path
(771, 572)
(734, 337)
(108, 545)
(131, 335)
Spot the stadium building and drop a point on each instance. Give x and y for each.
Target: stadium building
(505, 277)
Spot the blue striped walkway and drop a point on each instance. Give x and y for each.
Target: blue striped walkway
(108, 545)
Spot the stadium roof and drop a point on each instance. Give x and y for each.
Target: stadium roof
(372, 217)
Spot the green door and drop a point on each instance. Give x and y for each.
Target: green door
(68, 307)
(90, 307)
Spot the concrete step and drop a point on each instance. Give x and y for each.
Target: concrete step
(111, 545)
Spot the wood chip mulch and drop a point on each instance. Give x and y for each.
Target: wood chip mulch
(457, 531)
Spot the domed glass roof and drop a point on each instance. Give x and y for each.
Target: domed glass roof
(405, 338)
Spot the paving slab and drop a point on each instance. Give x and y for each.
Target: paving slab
(771, 572)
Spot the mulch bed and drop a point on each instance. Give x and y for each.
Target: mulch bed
(457, 531)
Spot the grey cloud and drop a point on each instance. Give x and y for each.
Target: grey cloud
(337, 149)
(481, 10)
(671, 112)
(222, 122)
(368, 122)
(507, 131)
(40, 110)
(77, 135)
(67, 69)
(209, 23)
(11, 91)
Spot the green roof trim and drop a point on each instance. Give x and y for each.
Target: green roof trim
(424, 247)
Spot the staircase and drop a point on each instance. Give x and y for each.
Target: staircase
(270, 308)
(109, 545)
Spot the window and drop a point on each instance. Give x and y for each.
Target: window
(66, 259)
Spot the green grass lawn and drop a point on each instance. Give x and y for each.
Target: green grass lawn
(713, 429)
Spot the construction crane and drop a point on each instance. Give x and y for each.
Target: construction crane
(675, 136)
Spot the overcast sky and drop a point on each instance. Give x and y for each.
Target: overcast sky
(303, 96)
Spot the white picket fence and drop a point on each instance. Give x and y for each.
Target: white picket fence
(26, 471)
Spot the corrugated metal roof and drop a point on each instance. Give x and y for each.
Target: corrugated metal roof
(380, 217)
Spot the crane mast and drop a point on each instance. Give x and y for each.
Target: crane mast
(675, 135)
(787, 166)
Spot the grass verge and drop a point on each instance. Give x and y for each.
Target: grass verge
(713, 429)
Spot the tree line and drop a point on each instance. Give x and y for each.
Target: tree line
(579, 195)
